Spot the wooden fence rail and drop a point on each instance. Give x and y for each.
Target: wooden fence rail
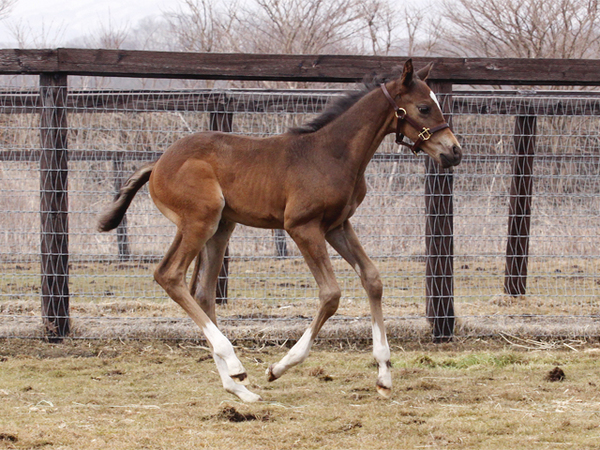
(53, 104)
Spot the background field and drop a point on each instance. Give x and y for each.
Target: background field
(266, 291)
(155, 395)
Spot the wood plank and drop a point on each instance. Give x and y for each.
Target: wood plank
(307, 68)
(33, 62)
(323, 68)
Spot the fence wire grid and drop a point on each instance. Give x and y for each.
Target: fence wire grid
(271, 293)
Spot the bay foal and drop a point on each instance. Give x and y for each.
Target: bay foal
(308, 181)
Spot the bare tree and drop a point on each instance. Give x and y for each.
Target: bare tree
(522, 28)
(381, 22)
(108, 36)
(5, 7)
(200, 26)
(44, 36)
(300, 26)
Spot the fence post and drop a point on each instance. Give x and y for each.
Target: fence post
(222, 121)
(519, 213)
(122, 236)
(54, 206)
(281, 250)
(439, 238)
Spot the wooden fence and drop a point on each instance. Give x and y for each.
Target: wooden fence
(55, 66)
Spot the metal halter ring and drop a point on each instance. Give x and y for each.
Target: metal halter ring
(400, 113)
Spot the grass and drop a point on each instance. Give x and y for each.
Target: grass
(156, 395)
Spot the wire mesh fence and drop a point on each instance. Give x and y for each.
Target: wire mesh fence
(271, 294)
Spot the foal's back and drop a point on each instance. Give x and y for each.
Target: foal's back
(252, 174)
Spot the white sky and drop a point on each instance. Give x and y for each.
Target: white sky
(65, 20)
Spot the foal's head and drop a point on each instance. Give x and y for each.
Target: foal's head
(423, 114)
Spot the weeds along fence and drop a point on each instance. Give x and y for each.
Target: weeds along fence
(508, 243)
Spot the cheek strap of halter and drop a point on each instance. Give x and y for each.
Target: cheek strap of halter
(401, 115)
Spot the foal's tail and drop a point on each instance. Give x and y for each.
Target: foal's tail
(113, 214)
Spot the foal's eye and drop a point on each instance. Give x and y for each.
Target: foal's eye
(424, 109)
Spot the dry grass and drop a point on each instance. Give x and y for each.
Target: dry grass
(132, 395)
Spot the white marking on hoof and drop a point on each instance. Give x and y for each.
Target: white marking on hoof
(230, 384)
(245, 395)
(223, 349)
(295, 356)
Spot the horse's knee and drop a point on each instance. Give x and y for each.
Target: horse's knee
(372, 283)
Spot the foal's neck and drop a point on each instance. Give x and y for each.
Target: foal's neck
(363, 127)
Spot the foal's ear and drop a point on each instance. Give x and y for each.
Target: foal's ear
(423, 73)
(407, 73)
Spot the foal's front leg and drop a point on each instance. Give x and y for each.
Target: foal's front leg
(311, 242)
(344, 240)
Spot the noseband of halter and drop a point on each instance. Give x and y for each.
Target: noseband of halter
(425, 133)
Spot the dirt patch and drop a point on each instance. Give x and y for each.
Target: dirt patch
(230, 414)
(7, 437)
(556, 374)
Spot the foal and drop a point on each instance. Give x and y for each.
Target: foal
(308, 181)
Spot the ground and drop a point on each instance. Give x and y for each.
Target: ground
(167, 395)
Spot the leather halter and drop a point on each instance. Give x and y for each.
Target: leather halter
(425, 133)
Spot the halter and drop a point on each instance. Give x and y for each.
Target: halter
(401, 115)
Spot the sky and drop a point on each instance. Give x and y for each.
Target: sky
(67, 20)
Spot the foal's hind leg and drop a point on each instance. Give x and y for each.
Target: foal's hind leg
(203, 288)
(170, 274)
(344, 240)
(203, 283)
(311, 242)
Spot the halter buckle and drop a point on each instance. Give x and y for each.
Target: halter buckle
(425, 134)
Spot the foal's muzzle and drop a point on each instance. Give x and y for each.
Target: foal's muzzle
(451, 158)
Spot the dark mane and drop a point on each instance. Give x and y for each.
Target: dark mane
(342, 104)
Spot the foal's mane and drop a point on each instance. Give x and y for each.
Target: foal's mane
(342, 104)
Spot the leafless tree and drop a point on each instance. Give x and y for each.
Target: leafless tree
(202, 26)
(5, 7)
(108, 36)
(301, 26)
(44, 36)
(421, 30)
(522, 28)
(381, 24)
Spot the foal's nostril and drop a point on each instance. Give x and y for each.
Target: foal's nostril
(457, 153)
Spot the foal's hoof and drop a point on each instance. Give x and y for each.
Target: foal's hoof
(248, 397)
(385, 392)
(270, 375)
(241, 378)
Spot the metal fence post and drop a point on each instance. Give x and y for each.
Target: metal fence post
(54, 206)
(439, 238)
